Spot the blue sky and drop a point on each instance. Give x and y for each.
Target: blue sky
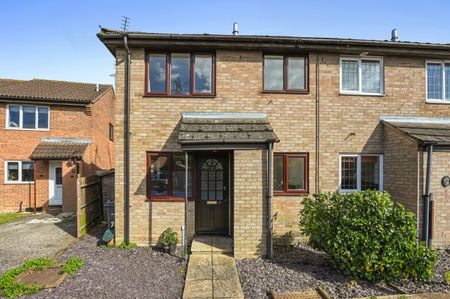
(57, 39)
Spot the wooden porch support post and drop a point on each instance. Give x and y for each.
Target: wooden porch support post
(34, 178)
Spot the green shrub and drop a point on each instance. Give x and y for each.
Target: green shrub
(367, 235)
(72, 265)
(12, 289)
(168, 237)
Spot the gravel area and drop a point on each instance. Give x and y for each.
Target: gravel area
(304, 268)
(119, 273)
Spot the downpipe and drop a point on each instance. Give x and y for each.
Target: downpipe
(427, 197)
(126, 199)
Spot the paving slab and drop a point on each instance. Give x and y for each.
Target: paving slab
(212, 271)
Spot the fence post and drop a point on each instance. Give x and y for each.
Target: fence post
(78, 205)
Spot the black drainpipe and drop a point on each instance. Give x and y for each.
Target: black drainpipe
(427, 198)
(269, 202)
(126, 195)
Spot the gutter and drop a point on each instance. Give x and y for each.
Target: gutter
(126, 195)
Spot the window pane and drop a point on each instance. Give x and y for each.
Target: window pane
(43, 117)
(179, 175)
(180, 77)
(159, 175)
(296, 73)
(273, 72)
(203, 73)
(27, 171)
(296, 173)
(13, 171)
(29, 117)
(447, 81)
(370, 172)
(58, 176)
(157, 73)
(434, 73)
(371, 78)
(348, 173)
(278, 173)
(350, 81)
(14, 116)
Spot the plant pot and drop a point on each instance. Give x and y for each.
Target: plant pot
(172, 248)
(166, 248)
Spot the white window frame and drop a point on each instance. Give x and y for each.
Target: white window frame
(442, 63)
(359, 59)
(21, 118)
(358, 171)
(19, 181)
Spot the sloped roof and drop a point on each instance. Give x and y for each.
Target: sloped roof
(225, 128)
(424, 131)
(63, 149)
(50, 90)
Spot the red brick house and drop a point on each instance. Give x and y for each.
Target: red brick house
(51, 129)
(224, 134)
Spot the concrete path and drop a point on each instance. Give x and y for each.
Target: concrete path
(34, 236)
(212, 271)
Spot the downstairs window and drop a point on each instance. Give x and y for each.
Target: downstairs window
(290, 173)
(361, 172)
(166, 176)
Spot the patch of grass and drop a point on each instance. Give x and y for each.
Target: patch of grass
(447, 277)
(12, 289)
(72, 265)
(122, 245)
(7, 217)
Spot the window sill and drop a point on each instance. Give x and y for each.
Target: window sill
(438, 102)
(166, 199)
(300, 193)
(285, 92)
(364, 94)
(19, 183)
(21, 129)
(149, 95)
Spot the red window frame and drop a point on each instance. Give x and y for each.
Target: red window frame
(286, 190)
(170, 196)
(192, 92)
(285, 74)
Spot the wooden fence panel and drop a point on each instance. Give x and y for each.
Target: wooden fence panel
(89, 203)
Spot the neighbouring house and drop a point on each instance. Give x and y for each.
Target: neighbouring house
(52, 131)
(264, 121)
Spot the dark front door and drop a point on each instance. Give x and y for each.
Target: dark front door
(212, 196)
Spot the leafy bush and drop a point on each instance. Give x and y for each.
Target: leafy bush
(12, 289)
(168, 237)
(72, 265)
(367, 235)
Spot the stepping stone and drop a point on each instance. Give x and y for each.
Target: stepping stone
(47, 278)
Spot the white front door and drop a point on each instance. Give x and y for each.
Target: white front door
(55, 183)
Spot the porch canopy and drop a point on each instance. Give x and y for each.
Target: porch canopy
(224, 131)
(60, 149)
(425, 131)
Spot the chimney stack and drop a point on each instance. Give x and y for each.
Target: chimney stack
(97, 88)
(235, 28)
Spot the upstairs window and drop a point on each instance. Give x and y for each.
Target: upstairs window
(290, 173)
(285, 73)
(438, 81)
(180, 74)
(361, 75)
(27, 117)
(19, 171)
(361, 172)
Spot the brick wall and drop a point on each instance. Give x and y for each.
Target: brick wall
(441, 197)
(349, 124)
(250, 203)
